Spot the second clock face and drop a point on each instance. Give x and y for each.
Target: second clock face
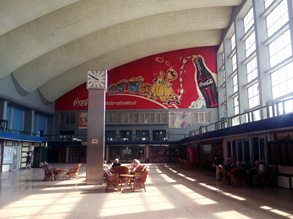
(96, 79)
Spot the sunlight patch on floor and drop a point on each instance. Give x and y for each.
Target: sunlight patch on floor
(29, 198)
(174, 171)
(230, 214)
(195, 197)
(209, 187)
(220, 191)
(276, 211)
(32, 205)
(180, 174)
(232, 196)
(157, 170)
(190, 179)
(167, 178)
(76, 186)
(135, 203)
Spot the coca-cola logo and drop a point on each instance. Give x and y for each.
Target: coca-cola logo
(206, 83)
(78, 102)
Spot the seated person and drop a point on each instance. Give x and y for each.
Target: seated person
(48, 167)
(260, 169)
(135, 164)
(105, 165)
(243, 165)
(49, 170)
(230, 165)
(116, 163)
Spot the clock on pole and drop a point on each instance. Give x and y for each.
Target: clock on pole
(97, 86)
(97, 79)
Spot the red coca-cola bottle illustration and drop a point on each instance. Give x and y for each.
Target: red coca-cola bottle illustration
(206, 82)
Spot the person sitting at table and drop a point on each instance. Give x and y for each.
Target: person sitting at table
(135, 164)
(230, 165)
(106, 165)
(260, 169)
(116, 163)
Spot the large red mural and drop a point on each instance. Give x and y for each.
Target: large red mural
(179, 79)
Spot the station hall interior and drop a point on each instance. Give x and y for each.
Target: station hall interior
(173, 84)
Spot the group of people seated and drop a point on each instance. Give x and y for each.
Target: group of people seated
(134, 165)
(118, 175)
(257, 169)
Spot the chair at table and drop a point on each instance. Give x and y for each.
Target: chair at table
(138, 169)
(264, 178)
(73, 172)
(112, 180)
(50, 172)
(140, 179)
(122, 170)
(238, 176)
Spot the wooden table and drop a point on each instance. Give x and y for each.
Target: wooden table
(126, 179)
(61, 172)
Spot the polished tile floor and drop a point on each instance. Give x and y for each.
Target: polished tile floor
(171, 193)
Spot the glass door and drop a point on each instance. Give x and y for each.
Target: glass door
(15, 162)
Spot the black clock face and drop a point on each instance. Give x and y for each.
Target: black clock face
(96, 79)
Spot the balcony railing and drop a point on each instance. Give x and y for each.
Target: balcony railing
(83, 138)
(272, 109)
(3, 127)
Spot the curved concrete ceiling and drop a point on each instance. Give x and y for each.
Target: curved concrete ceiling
(50, 48)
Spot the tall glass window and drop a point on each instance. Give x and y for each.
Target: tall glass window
(277, 18)
(235, 84)
(282, 81)
(236, 120)
(268, 3)
(236, 105)
(250, 44)
(234, 62)
(251, 69)
(253, 96)
(280, 49)
(248, 20)
(233, 42)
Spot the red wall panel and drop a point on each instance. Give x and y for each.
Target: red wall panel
(160, 81)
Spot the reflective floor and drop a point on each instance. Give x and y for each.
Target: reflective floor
(171, 193)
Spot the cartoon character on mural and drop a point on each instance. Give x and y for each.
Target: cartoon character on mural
(155, 88)
(162, 88)
(145, 89)
(134, 84)
(121, 85)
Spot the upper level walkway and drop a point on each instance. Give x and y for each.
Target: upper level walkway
(171, 193)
